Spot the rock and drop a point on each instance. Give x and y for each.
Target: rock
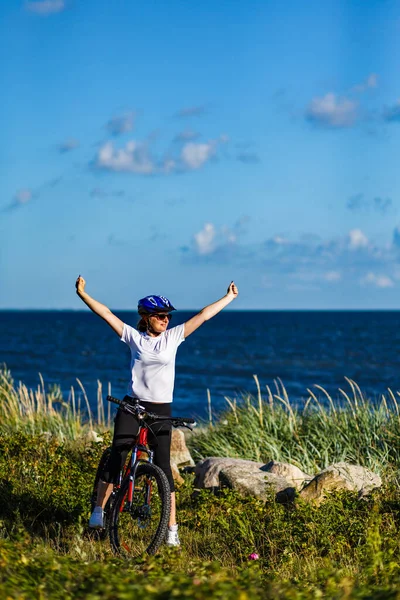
(340, 476)
(291, 473)
(254, 481)
(175, 474)
(208, 470)
(245, 476)
(180, 454)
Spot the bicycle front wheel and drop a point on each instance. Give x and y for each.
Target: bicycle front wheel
(141, 527)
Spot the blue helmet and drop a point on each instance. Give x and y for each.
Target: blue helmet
(153, 304)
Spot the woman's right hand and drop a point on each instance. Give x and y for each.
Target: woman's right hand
(80, 285)
(232, 290)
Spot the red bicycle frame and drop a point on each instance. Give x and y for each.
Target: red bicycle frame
(138, 450)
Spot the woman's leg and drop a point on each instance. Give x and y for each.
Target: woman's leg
(125, 431)
(162, 458)
(172, 519)
(104, 490)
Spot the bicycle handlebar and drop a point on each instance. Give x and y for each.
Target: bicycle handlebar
(141, 411)
(115, 400)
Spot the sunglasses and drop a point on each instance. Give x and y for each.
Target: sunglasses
(162, 316)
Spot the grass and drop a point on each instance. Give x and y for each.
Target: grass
(47, 411)
(324, 431)
(346, 548)
(308, 552)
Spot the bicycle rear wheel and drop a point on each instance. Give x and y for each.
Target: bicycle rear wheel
(142, 527)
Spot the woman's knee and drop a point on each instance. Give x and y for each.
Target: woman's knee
(114, 465)
(164, 463)
(168, 472)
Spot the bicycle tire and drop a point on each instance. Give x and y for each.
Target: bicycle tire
(100, 534)
(128, 537)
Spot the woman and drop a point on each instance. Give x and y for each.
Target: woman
(153, 351)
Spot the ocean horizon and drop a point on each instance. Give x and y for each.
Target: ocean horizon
(300, 348)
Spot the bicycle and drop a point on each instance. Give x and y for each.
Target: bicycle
(137, 512)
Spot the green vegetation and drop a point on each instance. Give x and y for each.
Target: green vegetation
(46, 411)
(346, 548)
(265, 428)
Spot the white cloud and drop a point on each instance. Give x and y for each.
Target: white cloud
(332, 276)
(204, 240)
(347, 260)
(23, 196)
(370, 82)
(169, 165)
(230, 235)
(357, 239)
(279, 239)
(381, 281)
(137, 156)
(45, 7)
(133, 158)
(195, 155)
(211, 239)
(331, 111)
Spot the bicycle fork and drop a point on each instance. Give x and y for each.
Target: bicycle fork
(139, 449)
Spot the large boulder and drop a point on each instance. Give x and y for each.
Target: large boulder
(291, 473)
(254, 481)
(207, 470)
(177, 477)
(245, 476)
(340, 476)
(180, 454)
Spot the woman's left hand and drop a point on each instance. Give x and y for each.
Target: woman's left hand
(232, 290)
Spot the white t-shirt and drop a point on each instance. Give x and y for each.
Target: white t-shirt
(152, 363)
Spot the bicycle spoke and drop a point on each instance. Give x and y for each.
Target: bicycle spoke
(141, 526)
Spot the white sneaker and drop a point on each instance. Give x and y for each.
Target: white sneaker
(96, 520)
(172, 536)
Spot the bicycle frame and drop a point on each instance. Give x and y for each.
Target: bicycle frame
(138, 449)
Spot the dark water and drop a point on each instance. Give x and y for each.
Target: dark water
(301, 348)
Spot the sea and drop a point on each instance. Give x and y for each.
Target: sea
(299, 349)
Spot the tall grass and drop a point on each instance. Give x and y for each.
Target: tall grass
(324, 430)
(262, 427)
(36, 411)
(345, 548)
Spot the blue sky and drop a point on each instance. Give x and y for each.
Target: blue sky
(171, 147)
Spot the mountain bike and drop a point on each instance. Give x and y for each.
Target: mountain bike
(138, 510)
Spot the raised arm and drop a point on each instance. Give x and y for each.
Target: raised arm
(99, 309)
(211, 310)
